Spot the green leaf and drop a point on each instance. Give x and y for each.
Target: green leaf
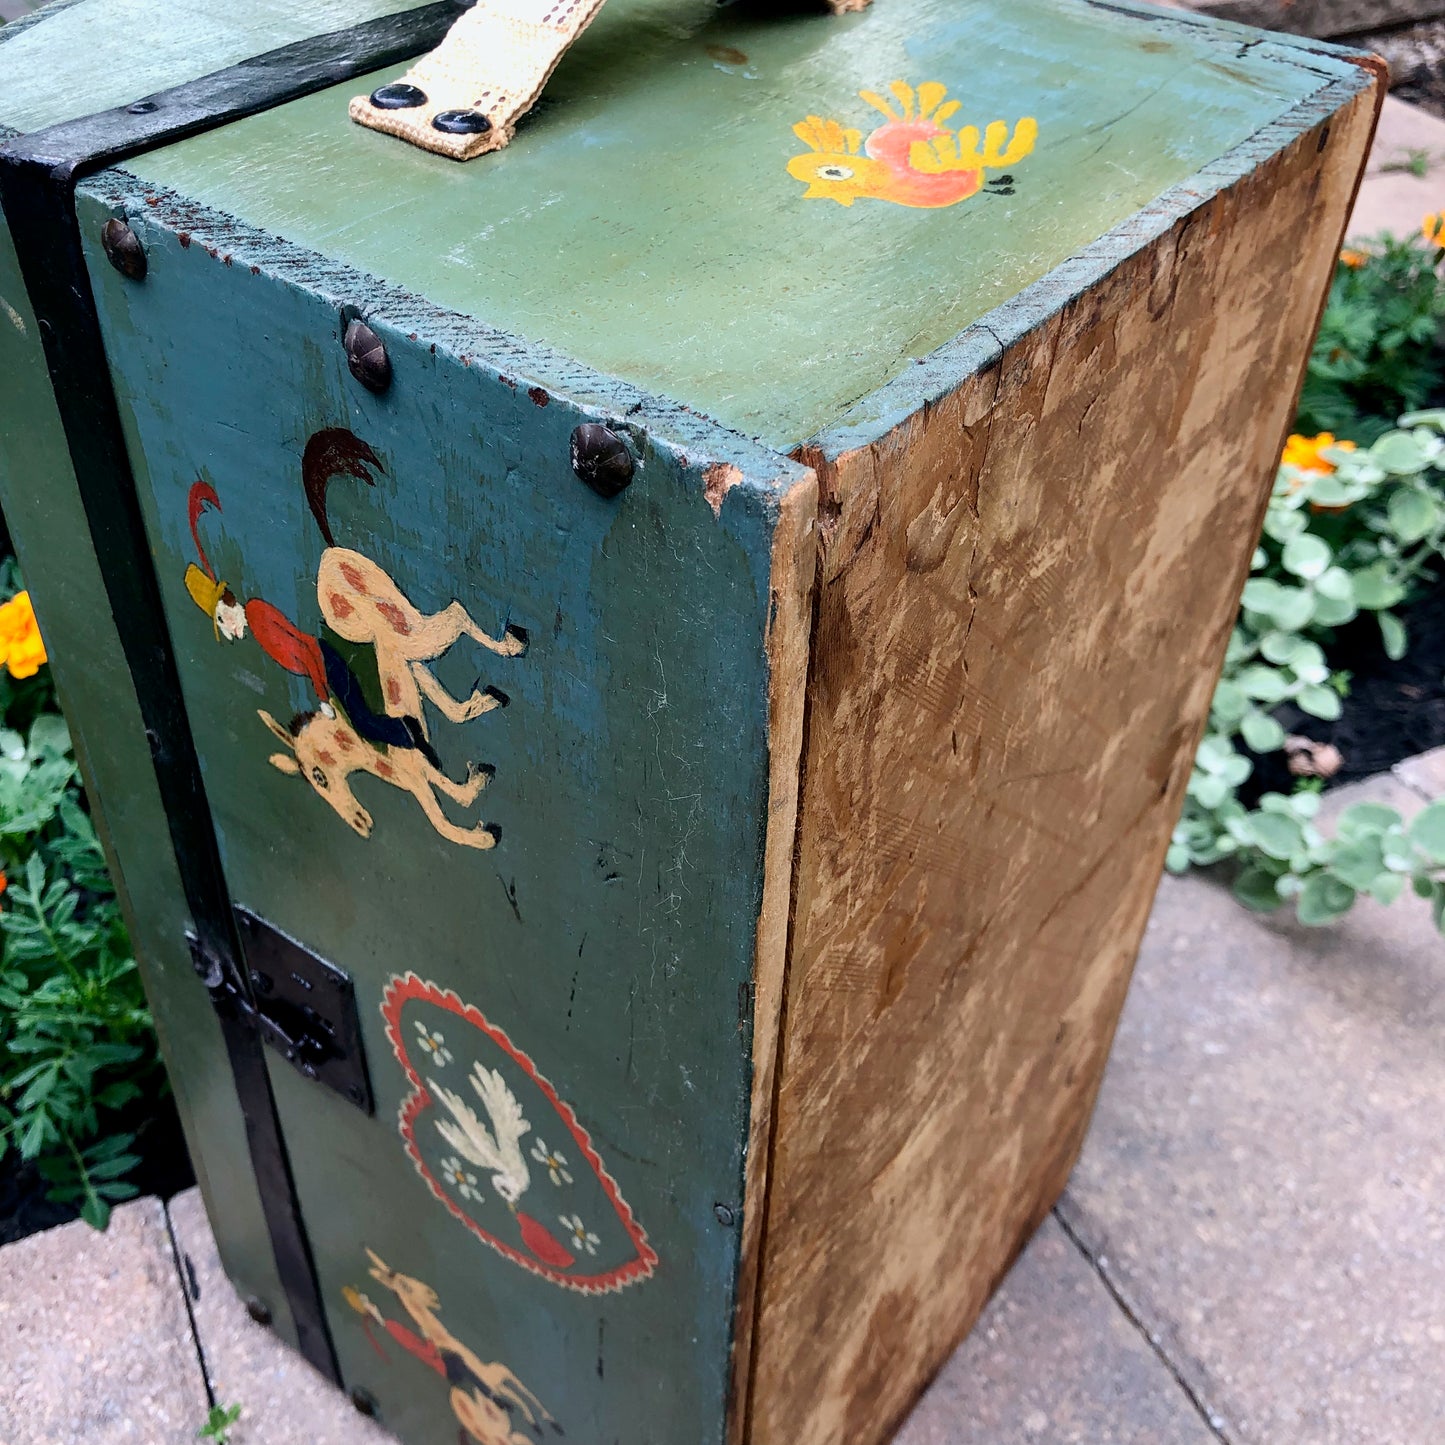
(1264, 683)
(1293, 609)
(1262, 732)
(1208, 791)
(1377, 587)
(1306, 556)
(1214, 754)
(1320, 702)
(1332, 492)
(1337, 585)
(1363, 820)
(1177, 859)
(1427, 832)
(1260, 594)
(1400, 453)
(1360, 864)
(1412, 513)
(1387, 888)
(1323, 899)
(1281, 648)
(95, 1212)
(1230, 703)
(1393, 635)
(1332, 613)
(49, 736)
(1258, 889)
(1276, 834)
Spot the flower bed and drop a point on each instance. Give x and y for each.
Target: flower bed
(85, 1120)
(1352, 538)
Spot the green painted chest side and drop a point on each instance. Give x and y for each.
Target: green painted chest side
(645, 221)
(599, 957)
(89, 55)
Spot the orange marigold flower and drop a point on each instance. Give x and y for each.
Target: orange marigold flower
(21, 647)
(1353, 259)
(1305, 452)
(1433, 228)
(4, 882)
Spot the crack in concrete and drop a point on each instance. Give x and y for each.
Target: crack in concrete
(184, 1267)
(1213, 1421)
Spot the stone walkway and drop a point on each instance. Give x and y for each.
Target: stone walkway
(1251, 1251)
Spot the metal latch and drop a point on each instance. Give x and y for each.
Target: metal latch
(300, 1004)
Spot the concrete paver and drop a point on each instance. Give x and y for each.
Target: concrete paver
(1265, 1174)
(1425, 774)
(95, 1346)
(1054, 1361)
(283, 1400)
(1391, 197)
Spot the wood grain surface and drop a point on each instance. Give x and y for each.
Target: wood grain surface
(1026, 591)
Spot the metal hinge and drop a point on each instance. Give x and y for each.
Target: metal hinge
(304, 1007)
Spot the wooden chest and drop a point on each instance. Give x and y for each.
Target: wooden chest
(650, 673)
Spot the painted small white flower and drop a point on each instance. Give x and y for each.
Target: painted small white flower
(464, 1183)
(553, 1161)
(582, 1237)
(434, 1044)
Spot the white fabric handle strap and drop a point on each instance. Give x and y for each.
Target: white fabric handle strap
(465, 98)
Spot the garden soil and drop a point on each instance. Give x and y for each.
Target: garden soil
(165, 1169)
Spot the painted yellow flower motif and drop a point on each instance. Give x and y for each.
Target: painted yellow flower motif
(554, 1161)
(1433, 228)
(21, 647)
(580, 1236)
(434, 1043)
(1306, 453)
(457, 1175)
(1353, 259)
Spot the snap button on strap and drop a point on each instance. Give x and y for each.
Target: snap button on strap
(465, 98)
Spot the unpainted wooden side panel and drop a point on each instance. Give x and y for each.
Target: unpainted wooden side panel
(551, 911)
(44, 513)
(1026, 593)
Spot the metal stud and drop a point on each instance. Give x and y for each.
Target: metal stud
(461, 122)
(366, 356)
(123, 250)
(601, 459)
(364, 1401)
(398, 96)
(259, 1310)
(725, 1215)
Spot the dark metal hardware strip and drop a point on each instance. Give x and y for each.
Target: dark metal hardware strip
(38, 178)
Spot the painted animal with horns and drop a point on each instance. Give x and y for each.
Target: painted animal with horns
(491, 1405)
(371, 625)
(914, 158)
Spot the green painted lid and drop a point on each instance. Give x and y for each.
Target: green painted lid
(660, 218)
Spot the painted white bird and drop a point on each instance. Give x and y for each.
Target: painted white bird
(498, 1150)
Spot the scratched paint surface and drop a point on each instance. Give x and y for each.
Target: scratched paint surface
(607, 936)
(94, 54)
(644, 219)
